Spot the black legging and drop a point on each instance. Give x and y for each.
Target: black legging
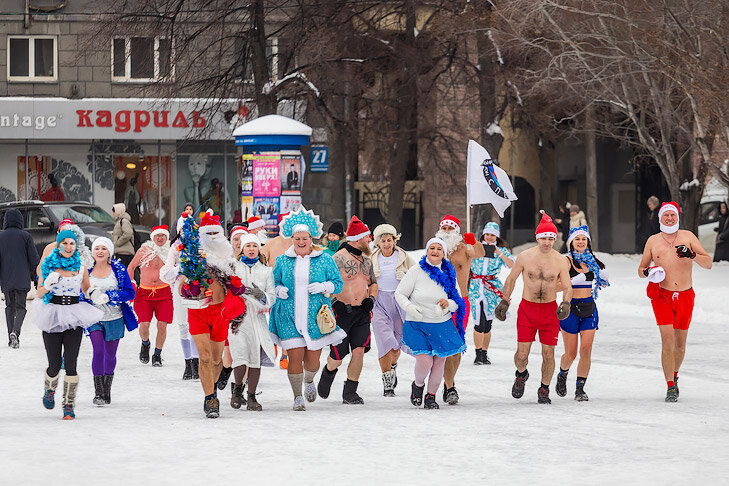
(64, 344)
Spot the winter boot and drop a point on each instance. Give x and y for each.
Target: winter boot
(157, 359)
(14, 343)
(144, 353)
(236, 401)
(349, 393)
(325, 381)
(561, 387)
(517, 391)
(479, 359)
(543, 395)
(450, 395)
(672, 394)
(394, 373)
(430, 403)
(99, 390)
(485, 357)
(50, 391)
(187, 375)
(253, 403)
(223, 377)
(195, 368)
(388, 383)
(211, 406)
(580, 394)
(70, 385)
(108, 379)
(416, 395)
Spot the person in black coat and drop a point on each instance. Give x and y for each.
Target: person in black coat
(721, 252)
(17, 252)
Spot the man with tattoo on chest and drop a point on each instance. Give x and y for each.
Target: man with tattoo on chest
(352, 308)
(461, 250)
(545, 272)
(674, 252)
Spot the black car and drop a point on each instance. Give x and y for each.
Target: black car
(41, 220)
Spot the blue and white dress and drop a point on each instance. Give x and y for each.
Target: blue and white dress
(478, 291)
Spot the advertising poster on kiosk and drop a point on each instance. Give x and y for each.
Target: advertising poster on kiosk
(291, 173)
(267, 208)
(267, 175)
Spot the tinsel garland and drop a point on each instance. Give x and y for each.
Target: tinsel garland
(446, 279)
(192, 258)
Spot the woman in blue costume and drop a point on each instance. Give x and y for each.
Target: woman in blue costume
(588, 276)
(484, 288)
(110, 291)
(304, 278)
(62, 315)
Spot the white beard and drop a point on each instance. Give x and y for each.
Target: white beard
(154, 251)
(669, 229)
(451, 238)
(219, 252)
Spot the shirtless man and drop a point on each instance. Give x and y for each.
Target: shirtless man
(673, 251)
(154, 297)
(461, 250)
(257, 226)
(352, 308)
(545, 272)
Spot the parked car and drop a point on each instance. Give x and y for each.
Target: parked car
(42, 218)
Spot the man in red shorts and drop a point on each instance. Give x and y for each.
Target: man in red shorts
(153, 297)
(672, 251)
(545, 272)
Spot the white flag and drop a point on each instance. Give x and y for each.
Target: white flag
(487, 183)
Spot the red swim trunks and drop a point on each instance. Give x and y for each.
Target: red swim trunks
(208, 321)
(533, 317)
(674, 308)
(156, 301)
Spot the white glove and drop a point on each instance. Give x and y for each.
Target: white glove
(195, 303)
(316, 288)
(51, 280)
(282, 292)
(604, 275)
(439, 311)
(98, 296)
(413, 311)
(656, 275)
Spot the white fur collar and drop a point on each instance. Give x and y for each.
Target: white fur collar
(291, 253)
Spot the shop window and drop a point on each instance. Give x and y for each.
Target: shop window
(243, 65)
(32, 58)
(138, 182)
(141, 59)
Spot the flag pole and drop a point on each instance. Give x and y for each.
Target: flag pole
(468, 218)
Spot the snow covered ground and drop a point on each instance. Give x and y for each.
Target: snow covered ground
(155, 432)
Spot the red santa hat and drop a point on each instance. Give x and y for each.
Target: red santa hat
(209, 223)
(63, 223)
(668, 206)
(451, 221)
(238, 230)
(282, 216)
(357, 229)
(255, 222)
(546, 228)
(160, 230)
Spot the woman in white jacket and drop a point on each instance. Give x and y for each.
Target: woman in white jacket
(431, 299)
(250, 342)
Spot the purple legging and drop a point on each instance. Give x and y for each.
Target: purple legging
(433, 365)
(103, 361)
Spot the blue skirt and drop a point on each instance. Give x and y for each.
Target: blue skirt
(112, 330)
(439, 339)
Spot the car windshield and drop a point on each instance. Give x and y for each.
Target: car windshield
(80, 213)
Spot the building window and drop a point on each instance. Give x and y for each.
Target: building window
(32, 58)
(243, 65)
(141, 59)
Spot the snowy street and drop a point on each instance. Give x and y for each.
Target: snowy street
(155, 432)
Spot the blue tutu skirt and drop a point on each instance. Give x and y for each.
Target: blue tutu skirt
(439, 339)
(112, 330)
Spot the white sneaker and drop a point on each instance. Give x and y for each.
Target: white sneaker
(310, 392)
(299, 405)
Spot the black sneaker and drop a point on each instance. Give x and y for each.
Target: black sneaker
(479, 359)
(672, 394)
(187, 374)
(325, 382)
(543, 395)
(144, 353)
(223, 377)
(211, 406)
(157, 360)
(485, 357)
(561, 387)
(581, 396)
(416, 395)
(430, 403)
(450, 395)
(517, 391)
(349, 393)
(13, 343)
(675, 383)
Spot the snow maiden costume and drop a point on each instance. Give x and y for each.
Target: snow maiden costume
(110, 294)
(62, 314)
(429, 332)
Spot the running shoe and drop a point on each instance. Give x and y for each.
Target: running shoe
(517, 391)
(543, 395)
(310, 392)
(299, 405)
(561, 387)
(212, 407)
(450, 395)
(144, 353)
(68, 412)
(430, 403)
(157, 360)
(581, 396)
(672, 394)
(416, 395)
(49, 399)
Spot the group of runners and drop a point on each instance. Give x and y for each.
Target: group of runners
(286, 298)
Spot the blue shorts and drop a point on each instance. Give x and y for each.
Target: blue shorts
(574, 324)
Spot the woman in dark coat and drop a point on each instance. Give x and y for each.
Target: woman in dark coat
(721, 252)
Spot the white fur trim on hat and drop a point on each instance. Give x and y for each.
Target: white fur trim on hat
(209, 228)
(670, 206)
(159, 231)
(249, 238)
(238, 231)
(359, 236)
(546, 234)
(451, 223)
(440, 242)
(105, 242)
(301, 228)
(576, 233)
(259, 223)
